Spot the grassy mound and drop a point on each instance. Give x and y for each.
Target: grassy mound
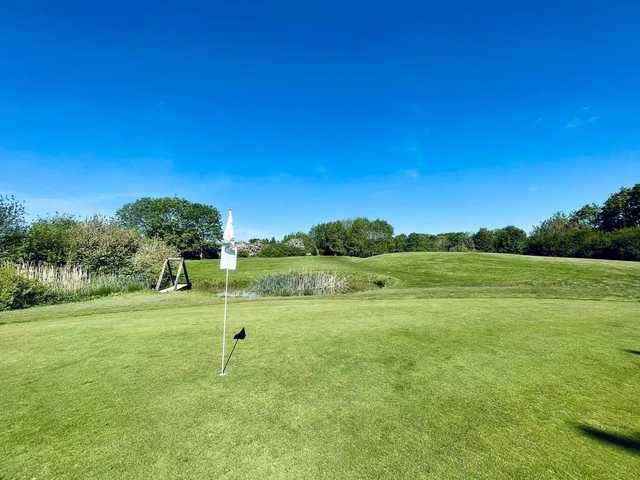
(447, 274)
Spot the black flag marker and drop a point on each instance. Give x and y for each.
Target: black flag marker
(238, 336)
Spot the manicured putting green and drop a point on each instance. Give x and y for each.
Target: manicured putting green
(440, 376)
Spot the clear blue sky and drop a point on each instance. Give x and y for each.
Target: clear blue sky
(436, 116)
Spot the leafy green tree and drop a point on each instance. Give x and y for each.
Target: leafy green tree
(300, 240)
(585, 217)
(632, 210)
(550, 237)
(612, 213)
(190, 227)
(484, 240)
(329, 238)
(587, 243)
(280, 250)
(510, 239)
(420, 242)
(359, 237)
(453, 242)
(621, 210)
(400, 243)
(12, 226)
(365, 238)
(624, 244)
(205, 222)
(49, 240)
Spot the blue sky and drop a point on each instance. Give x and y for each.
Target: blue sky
(436, 116)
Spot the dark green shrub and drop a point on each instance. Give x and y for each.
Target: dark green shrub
(587, 243)
(17, 291)
(148, 260)
(280, 250)
(624, 244)
(484, 240)
(550, 237)
(49, 240)
(101, 246)
(510, 239)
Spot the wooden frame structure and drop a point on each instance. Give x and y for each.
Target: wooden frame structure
(175, 281)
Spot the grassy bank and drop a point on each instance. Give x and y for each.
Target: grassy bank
(450, 273)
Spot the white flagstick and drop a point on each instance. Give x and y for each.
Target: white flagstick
(224, 323)
(228, 261)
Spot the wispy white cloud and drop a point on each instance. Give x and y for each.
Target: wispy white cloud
(577, 122)
(582, 118)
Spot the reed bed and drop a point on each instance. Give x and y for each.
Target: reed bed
(295, 283)
(74, 282)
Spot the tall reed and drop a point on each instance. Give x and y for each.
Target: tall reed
(71, 282)
(301, 283)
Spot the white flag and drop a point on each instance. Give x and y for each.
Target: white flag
(228, 230)
(229, 252)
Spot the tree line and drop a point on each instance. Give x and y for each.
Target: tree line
(177, 226)
(609, 231)
(135, 241)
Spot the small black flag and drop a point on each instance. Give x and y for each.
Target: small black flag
(240, 335)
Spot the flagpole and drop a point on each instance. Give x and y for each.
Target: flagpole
(224, 323)
(228, 260)
(231, 353)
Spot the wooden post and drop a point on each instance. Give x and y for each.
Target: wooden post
(175, 286)
(170, 271)
(164, 266)
(186, 275)
(174, 281)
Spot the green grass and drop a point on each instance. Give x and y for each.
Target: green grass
(469, 366)
(447, 274)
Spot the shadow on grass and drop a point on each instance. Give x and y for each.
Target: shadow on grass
(635, 352)
(630, 444)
